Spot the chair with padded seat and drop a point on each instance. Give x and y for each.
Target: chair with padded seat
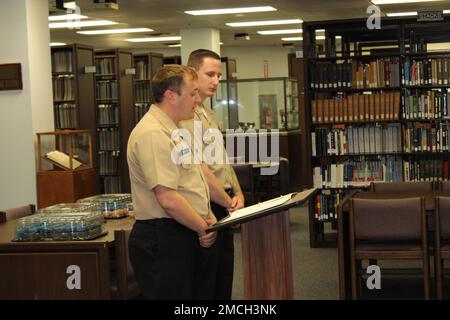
(123, 284)
(388, 229)
(16, 213)
(398, 187)
(442, 241)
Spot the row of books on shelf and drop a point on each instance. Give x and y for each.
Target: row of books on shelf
(363, 107)
(107, 90)
(107, 114)
(342, 140)
(140, 109)
(426, 71)
(326, 204)
(358, 172)
(379, 73)
(63, 89)
(426, 170)
(66, 115)
(142, 92)
(105, 66)
(109, 139)
(111, 184)
(109, 162)
(62, 61)
(424, 137)
(362, 172)
(141, 70)
(429, 105)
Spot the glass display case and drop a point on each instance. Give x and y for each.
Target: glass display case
(113, 206)
(271, 103)
(65, 170)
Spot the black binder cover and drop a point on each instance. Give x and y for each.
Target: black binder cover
(297, 199)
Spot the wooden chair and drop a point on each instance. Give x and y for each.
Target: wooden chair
(388, 229)
(442, 241)
(398, 187)
(124, 284)
(16, 213)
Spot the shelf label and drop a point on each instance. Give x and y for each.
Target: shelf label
(430, 15)
(130, 71)
(90, 69)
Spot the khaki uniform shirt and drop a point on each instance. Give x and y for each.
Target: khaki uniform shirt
(222, 171)
(150, 150)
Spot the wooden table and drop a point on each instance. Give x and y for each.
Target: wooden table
(57, 270)
(343, 228)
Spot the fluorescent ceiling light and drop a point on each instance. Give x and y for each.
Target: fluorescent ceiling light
(263, 23)
(288, 31)
(56, 44)
(72, 16)
(113, 31)
(320, 30)
(292, 39)
(174, 45)
(301, 38)
(230, 11)
(377, 2)
(154, 39)
(446, 11)
(80, 24)
(70, 5)
(401, 14)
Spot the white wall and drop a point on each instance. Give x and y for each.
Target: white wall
(25, 37)
(250, 60)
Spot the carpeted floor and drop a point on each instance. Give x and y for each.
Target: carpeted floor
(315, 270)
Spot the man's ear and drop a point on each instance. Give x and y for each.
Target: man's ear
(169, 95)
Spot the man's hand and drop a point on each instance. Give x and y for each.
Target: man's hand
(207, 239)
(237, 202)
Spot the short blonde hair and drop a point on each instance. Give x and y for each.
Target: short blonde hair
(171, 77)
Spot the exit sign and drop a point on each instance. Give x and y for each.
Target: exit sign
(430, 16)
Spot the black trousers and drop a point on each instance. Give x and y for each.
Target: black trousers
(167, 261)
(225, 257)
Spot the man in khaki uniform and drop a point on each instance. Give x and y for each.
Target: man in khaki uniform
(170, 194)
(226, 193)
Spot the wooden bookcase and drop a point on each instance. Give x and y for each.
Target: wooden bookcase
(376, 109)
(115, 117)
(146, 66)
(74, 90)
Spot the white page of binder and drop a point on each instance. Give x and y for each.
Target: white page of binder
(258, 207)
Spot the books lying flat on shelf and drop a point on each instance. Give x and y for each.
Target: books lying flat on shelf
(62, 160)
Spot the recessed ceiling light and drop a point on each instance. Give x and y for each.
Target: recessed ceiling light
(72, 16)
(154, 39)
(80, 24)
(288, 31)
(113, 31)
(230, 11)
(377, 2)
(57, 44)
(263, 23)
(401, 14)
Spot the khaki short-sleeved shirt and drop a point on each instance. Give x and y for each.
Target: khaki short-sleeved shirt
(151, 148)
(222, 171)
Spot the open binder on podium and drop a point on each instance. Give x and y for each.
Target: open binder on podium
(262, 209)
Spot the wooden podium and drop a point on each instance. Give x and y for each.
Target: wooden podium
(65, 183)
(266, 250)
